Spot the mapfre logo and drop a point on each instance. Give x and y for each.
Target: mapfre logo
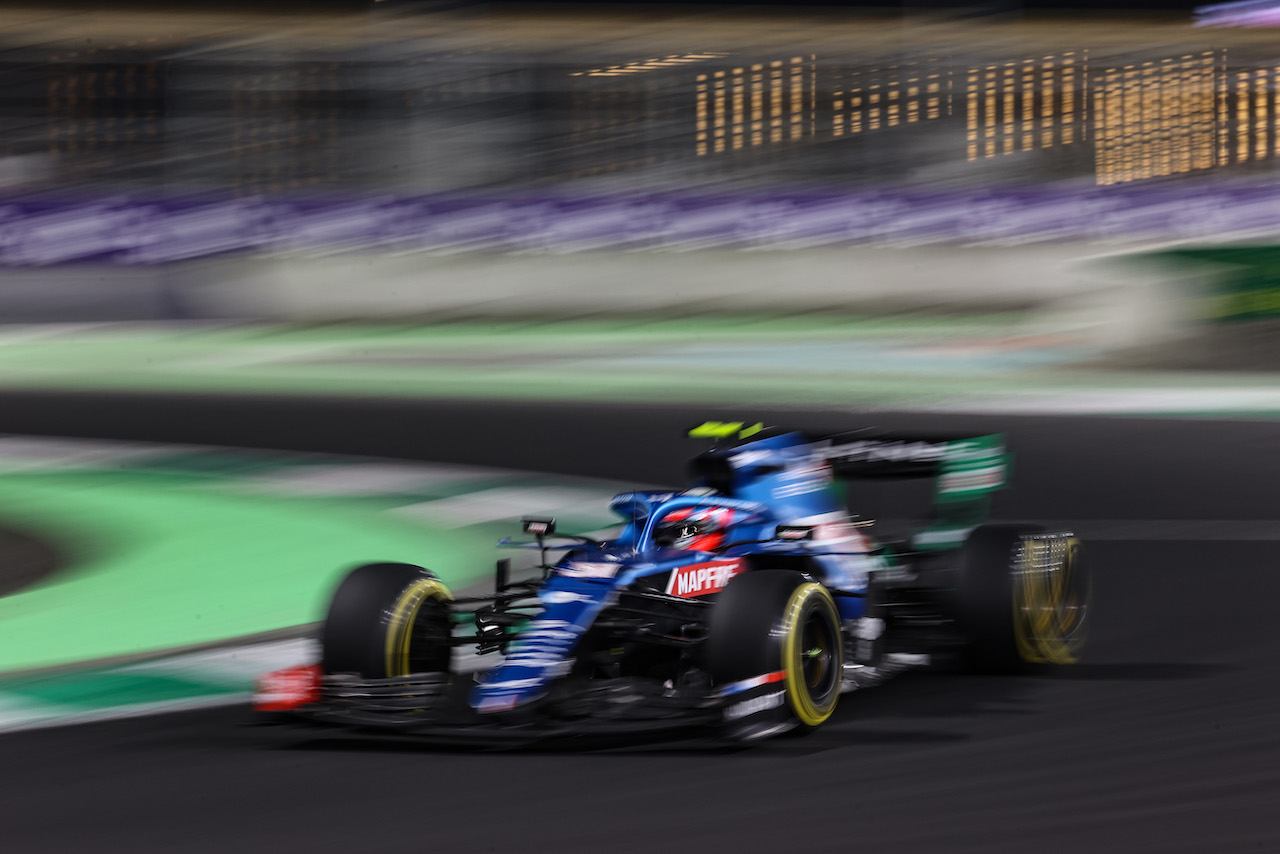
(699, 579)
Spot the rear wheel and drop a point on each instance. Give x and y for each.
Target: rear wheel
(388, 619)
(1022, 598)
(784, 627)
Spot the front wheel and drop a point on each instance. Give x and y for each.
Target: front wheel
(388, 619)
(775, 644)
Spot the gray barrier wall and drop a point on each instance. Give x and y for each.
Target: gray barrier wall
(1100, 301)
(1059, 289)
(866, 278)
(193, 258)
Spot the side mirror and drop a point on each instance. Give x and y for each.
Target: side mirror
(538, 527)
(793, 533)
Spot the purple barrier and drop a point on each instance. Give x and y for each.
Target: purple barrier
(135, 230)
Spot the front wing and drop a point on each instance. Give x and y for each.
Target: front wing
(434, 707)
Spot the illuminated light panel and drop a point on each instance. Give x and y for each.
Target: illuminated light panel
(889, 97)
(989, 112)
(1106, 110)
(1224, 151)
(1260, 114)
(1197, 80)
(718, 112)
(757, 105)
(700, 112)
(645, 65)
(1155, 119)
(1022, 105)
(747, 101)
(1275, 107)
(1010, 94)
(738, 119)
(1205, 130)
(1242, 116)
(1085, 107)
(1174, 117)
(797, 89)
(1068, 97)
(775, 101)
(813, 92)
(1133, 123)
(1046, 102)
(971, 116)
(1028, 103)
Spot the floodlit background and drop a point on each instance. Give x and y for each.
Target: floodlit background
(406, 100)
(420, 162)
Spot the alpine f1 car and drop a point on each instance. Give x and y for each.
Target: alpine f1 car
(744, 605)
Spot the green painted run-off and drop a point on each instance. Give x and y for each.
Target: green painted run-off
(157, 563)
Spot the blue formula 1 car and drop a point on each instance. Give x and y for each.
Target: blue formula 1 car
(743, 605)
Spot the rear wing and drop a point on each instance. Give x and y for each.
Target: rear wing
(966, 467)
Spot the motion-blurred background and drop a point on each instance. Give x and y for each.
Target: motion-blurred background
(422, 98)
(417, 159)
(450, 263)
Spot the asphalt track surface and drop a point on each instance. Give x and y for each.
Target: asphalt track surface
(1163, 739)
(24, 560)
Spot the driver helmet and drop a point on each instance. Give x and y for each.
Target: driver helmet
(695, 529)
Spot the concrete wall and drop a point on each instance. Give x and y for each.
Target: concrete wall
(92, 292)
(365, 284)
(1060, 287)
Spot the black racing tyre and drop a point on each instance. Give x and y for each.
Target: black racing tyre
(1022, 598)
(388, 619)
(780, 621)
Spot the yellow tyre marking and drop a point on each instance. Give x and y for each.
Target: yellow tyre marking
(1045, 613)
(802, 705)
(402, 617)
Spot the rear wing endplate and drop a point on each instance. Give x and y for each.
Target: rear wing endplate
(966, 467)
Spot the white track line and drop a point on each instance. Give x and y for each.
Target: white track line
(138, 710)
(1173, 530)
